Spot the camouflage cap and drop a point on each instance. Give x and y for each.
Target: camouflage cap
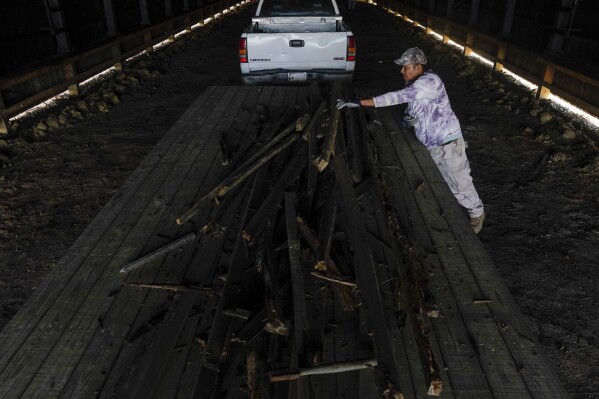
(412, 56)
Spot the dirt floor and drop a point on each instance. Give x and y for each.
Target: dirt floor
(539, 181)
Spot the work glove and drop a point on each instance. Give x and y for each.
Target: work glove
(408, 121)
(348, 103)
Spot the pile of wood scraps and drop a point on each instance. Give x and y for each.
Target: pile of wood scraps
(305, 241)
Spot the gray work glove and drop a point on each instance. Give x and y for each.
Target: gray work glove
(408, 121)
(348, 103)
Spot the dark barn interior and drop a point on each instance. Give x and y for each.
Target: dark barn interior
(169, 232)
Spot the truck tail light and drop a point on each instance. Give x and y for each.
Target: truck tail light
(243, 53)
(351, 48)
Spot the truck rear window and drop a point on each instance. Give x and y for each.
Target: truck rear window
(294, 8)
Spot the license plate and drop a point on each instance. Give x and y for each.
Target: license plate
(297, 76)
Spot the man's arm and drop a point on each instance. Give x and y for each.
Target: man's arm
(368, 102)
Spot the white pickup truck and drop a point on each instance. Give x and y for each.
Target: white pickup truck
(297, 41)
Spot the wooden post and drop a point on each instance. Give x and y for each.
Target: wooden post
(473, 19)
(469, 42)
(446, 30)
(548, 75)
(431, 5)
(4, 122)
(70, 71)
(116, 51)
(187, 23)
(508, 18)
(57, 25)
(498, 66)
(111, 28)
(449, 11)
(185, 5)
(168, 8)
(148, 39)
(561, 26)
(144, 12)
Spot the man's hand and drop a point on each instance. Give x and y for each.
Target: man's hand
(408, 121)
(347, 103)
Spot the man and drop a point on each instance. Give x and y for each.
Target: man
(436, 126)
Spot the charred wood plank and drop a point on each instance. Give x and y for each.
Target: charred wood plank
(343, 294)
(248, 167)
(412, 286)
(327, 226)
(297, 279)
(158, 253)
(269, 206)
(329, 147)
(365, 272)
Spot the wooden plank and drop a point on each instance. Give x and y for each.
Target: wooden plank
(416, 340)
(496, 360)
(218, 336)
(297, 389)
(194, 364)
(171, 376)
(530, 364)
(69, 348)
(269, 206)
(96, 237)
(365, 273)
(203, 375)
(201, 174)
(121, 313)
(465, 373)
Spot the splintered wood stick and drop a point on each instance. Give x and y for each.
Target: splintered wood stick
(331, 270)
(323, 160)
(330, 368)
(157, 253)
(246, 169)
(315, 119)
(172, 287)
(335, 280)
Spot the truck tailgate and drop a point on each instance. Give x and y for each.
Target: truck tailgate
(297, 51)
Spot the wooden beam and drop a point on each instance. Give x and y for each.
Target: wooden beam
(508, 17)
(474, 7)
(297, 279)
(331, 270)
(243, 172)
(365, 273)
(329, 147)
(111, 25)
(270, 205)
(330, 368)
(144, 12)
(158, 253)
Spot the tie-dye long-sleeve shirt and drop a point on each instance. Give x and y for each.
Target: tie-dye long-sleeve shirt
(428, 103)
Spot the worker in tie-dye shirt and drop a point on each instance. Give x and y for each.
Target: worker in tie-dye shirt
(435, 125)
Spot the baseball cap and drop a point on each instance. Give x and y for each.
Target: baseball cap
(412, 56)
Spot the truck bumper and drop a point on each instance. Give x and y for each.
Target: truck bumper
(281, 76)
